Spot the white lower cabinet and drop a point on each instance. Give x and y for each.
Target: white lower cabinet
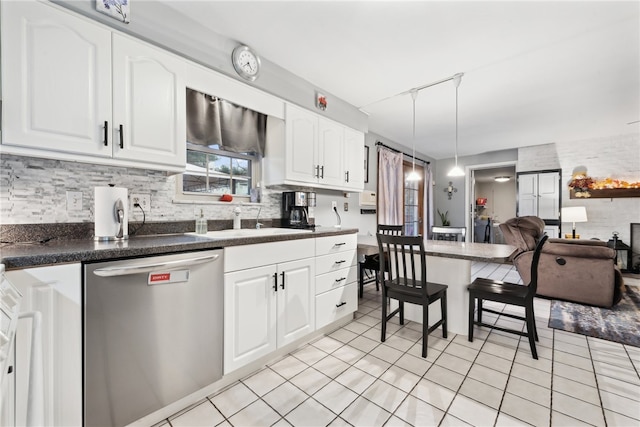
(336, 290)
(267, 306)
(48, 368)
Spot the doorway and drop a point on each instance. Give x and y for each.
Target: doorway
(492, 199)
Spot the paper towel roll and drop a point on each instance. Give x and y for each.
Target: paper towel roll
(106, 218)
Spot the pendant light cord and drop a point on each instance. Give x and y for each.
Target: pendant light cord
(414, 95)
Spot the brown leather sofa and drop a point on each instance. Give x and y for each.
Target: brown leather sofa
(581, 271)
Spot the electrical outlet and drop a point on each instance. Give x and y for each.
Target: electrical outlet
(334, 205)
(144, 200)
(74, 200)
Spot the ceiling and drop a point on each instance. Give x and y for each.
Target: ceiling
(534, 72)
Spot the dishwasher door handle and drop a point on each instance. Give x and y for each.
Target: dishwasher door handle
(148, 268)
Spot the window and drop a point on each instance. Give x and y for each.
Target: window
(413, 201)
(211, 171)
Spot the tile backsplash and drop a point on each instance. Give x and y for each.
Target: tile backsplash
(33, 191)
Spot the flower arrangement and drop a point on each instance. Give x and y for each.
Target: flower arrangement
(581, 183)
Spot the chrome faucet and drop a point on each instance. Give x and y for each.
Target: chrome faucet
(258, 224)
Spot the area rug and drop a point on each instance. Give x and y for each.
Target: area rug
(621, 323)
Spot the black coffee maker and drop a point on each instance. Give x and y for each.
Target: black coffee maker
(295, 209)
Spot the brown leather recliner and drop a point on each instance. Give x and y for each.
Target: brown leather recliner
(581, 271)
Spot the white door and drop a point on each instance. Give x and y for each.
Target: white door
(528, 194)
(331, 152)
(149, 100)
(249, 316)
(353, 159)
(301, 139)
(296, 300)
(56, 80)
(549, 195)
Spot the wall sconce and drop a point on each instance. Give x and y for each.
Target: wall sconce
(450, 189)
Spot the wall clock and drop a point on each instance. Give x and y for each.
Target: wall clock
(246, 62)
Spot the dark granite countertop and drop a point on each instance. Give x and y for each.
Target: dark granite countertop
(59, 251)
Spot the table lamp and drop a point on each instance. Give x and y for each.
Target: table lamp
(574, 214)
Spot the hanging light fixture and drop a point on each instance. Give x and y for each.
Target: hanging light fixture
(413, 175)
(457, 170)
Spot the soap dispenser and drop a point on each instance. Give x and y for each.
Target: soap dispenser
(201, 224)
(236, 218)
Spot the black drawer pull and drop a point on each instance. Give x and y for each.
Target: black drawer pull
(340, 262)
(341, 304)
(340, 244)
(341, 279)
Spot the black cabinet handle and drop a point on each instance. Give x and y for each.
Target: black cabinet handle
(275, 282)
(340, 244)
(322, 172)
(341, 304)
(121, 137)
(340, 262)
(282, 285)
(106, 133)
(317, 171)
(347, 176)
(341, 279)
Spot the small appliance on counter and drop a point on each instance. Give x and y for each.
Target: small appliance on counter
(297, 209)
(111, 213)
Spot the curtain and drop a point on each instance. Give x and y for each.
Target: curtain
(390, 187)
(214, 121)
(429, 215)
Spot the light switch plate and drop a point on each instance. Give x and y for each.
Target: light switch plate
(74, 200)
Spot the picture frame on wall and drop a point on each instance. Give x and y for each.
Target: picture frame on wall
(366, 164)
(117, 9)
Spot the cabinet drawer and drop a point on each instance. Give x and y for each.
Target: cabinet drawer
(249, 256)
(334, 262)
(332, 244)
(333, 305)
(335, 279)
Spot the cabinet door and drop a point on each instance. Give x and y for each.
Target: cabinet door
(354, 159)
(249, 316)
(296, 300)
(301, 139)
(56, 80)
(331, 152)
(549, 195)
(55, 293)
(528, 194)
(149, 100)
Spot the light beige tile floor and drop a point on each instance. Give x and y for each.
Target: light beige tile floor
(350, 378)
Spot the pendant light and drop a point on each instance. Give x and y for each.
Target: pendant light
(413, 175)
(457, 170)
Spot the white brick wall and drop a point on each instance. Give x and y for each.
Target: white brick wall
(616, 157)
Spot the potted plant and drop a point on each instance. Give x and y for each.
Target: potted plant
(444, 218)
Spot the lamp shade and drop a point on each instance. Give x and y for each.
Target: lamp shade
(574, 214)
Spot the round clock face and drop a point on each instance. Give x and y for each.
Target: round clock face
(246, 62)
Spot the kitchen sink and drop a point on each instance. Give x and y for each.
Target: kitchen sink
(251, 232)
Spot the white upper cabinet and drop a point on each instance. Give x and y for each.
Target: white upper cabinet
(301, 145)
(149, 103)
(317, 152)
(330, 149)
(56, 80)
(354, 159)
(62, 98)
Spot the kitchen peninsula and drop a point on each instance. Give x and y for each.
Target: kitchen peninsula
(449, 263)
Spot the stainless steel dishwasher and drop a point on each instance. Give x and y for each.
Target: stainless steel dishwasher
(152, 333)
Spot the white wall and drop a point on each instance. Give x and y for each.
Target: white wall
(616, 157)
